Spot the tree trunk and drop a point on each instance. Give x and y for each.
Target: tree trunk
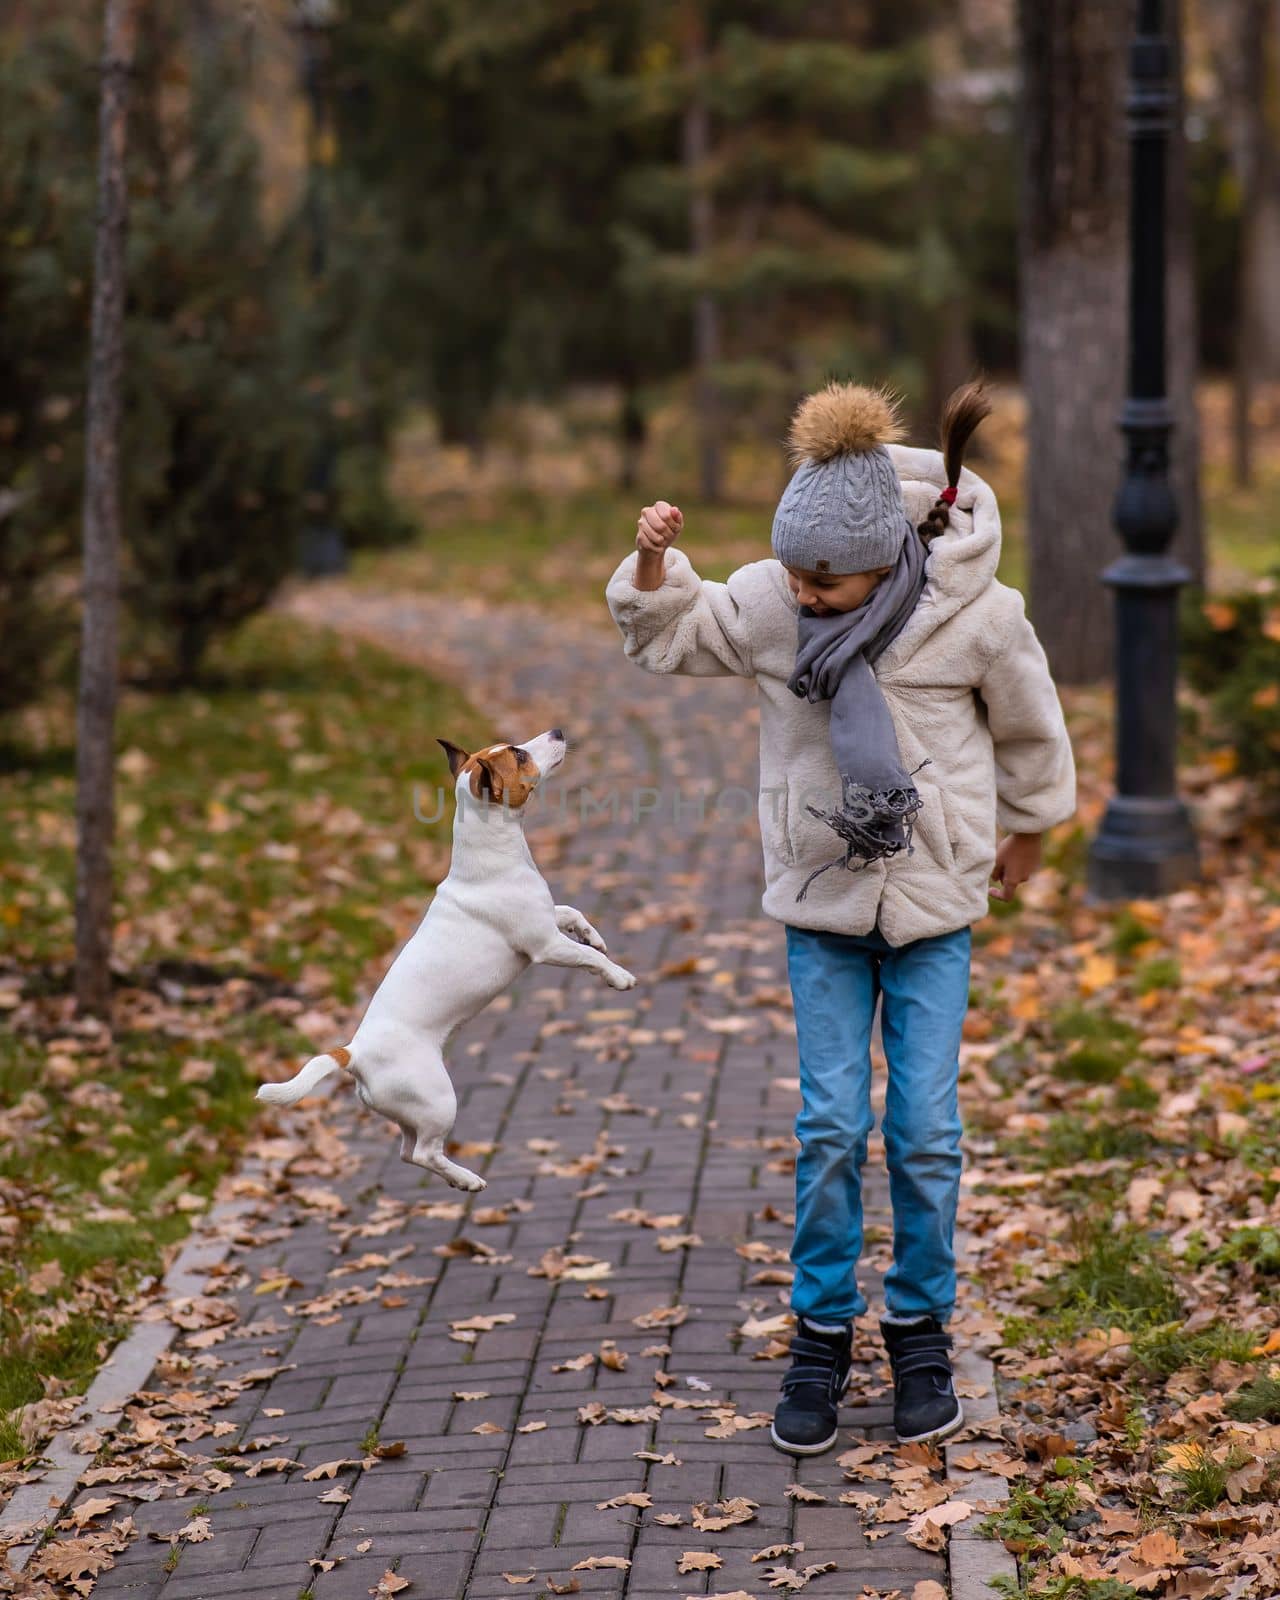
(696, 139)
(633, 431)
(1074, 258)
(1249, 58)
(99, 646)
(1248, 68)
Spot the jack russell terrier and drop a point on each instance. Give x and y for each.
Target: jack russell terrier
(490, 919)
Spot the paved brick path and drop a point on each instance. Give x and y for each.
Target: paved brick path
(670, 1104)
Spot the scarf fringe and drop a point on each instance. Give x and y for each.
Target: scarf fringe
(874, 824)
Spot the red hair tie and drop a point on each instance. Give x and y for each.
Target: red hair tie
(949, 495)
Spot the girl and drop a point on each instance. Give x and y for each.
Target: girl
(906, 715)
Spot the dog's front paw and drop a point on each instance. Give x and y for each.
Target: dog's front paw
(619, 978)
(470, 1181)
(588, 935)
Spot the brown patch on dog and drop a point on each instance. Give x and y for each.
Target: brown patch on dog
(498, 772)
(342, 1056)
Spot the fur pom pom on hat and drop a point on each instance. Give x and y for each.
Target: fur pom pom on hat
(842, 510)
(843, 416)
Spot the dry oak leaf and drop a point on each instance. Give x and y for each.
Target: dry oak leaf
(482, 1324)
(389, 1583)
(70, 1560)
(669, 1519)
(926, 1532)
(531, 1427)
(326, 1469)
(337, 1496)
(592, 1562)
(789, 1579)
(661, 1317)
(572, 1587)
(927, 1589)
(628, 1414)
(87, 1510)
(519, 1577)
(636, 1498)
(724, 1514)
(774, 1552)
(808, 1497)
(575, 1363)
(196, 1531)
(699, 1561)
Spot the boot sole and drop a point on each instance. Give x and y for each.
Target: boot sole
(944, 1432)
(810, 1449)
(802, 1449)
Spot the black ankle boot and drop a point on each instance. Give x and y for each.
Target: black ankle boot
(925, 1404)
(805, 1420)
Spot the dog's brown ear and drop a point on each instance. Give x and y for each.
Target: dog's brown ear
(455, 754)
(487, 780)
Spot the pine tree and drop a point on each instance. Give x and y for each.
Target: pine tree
(213, 434)
(46, 217)
(813, 179)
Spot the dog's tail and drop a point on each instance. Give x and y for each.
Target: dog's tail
(303, 1082)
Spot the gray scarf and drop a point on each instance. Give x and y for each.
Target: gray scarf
(834, 658)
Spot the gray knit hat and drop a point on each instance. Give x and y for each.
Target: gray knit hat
(843, 510)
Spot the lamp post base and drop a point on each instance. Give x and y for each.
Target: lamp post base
(1144, 848)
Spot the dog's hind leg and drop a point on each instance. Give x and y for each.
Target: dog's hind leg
(428, 1152)
(424, 1105)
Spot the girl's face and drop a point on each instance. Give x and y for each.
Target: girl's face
(827, 592)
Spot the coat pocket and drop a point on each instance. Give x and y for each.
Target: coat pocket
(810, 840)
(774, 832)
(933, 826)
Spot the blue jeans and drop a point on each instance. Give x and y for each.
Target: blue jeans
(836, 979)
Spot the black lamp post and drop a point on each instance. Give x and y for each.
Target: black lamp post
(1146, 845)
(323, 550)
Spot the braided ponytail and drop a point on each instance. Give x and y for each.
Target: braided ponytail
(965, 409)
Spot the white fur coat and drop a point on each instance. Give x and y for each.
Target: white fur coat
(967, 685)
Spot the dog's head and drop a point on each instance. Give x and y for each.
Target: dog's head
(505, 774)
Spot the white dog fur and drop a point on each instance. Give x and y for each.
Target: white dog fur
(491, 917)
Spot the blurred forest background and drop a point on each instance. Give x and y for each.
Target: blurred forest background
(477, 281)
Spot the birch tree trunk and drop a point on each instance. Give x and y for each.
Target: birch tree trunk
(99, 646)
(696, 149)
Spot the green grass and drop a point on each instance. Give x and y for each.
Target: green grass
(558, 554)
(1033, 1520)
(266, 836)
(266, 818)
(1063, 1588)
(1259, 1246)
(1257, 1401)
(1102, 1046)
(1071, 1138)
(1112, 1277)
(1202, 1480)
(1163, 1350)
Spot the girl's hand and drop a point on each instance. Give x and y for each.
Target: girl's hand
(658, 527)
(1016, 859)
